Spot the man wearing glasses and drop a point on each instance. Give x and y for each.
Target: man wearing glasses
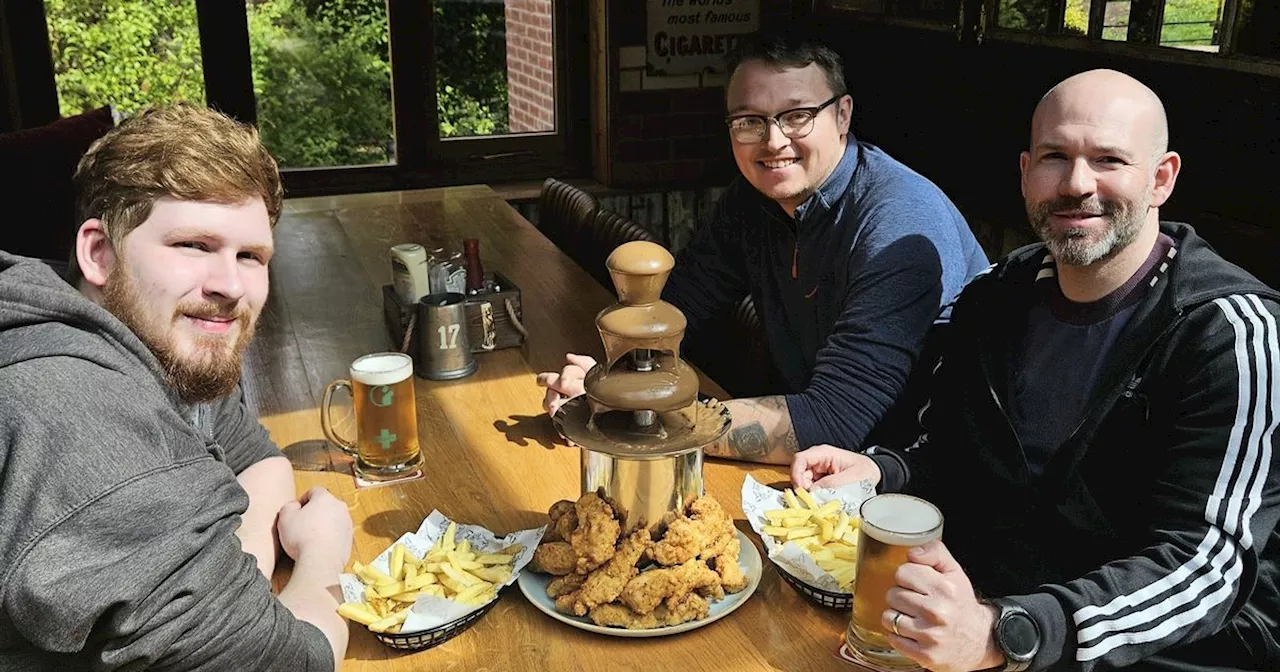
(849, 255)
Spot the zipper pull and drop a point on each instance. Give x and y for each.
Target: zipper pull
(795, 260)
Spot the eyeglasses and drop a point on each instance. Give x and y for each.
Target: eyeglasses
(795, 123)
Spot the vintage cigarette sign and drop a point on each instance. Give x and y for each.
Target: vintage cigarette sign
(688, 36)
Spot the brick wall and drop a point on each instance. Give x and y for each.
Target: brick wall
(663, 131)
(530, 72)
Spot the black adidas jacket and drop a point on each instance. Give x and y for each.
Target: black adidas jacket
(1150, 541)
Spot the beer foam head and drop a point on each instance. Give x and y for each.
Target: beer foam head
(901, 520)
(384, 368)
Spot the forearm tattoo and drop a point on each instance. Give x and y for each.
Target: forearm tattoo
(761, 432)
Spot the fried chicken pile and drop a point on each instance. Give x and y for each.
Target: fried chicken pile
(647, 577)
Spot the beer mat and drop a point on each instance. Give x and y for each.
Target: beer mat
(791, 557)
(844, 654)
(430, 611)
(409, 476)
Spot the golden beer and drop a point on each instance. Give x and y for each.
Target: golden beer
(386, 444)
(891, 525)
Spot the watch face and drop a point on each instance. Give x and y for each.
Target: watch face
(1019, 635)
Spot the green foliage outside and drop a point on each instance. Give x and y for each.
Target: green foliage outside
(1186, 22)
(129, 53)
(471, 68)
(321, 70)
(1190, 22)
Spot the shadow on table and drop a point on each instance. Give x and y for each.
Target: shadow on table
(317, 455)
(526, 428)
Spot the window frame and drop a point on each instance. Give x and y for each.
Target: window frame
(977, 22)
(888, 18)
(423, 159)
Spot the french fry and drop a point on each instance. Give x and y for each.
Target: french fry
(450, 569)
(807, 498)
(790, 497)
(358, 612)
(824, 531)
(397, 562)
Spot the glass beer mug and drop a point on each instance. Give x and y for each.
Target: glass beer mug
(386, 444)
(892, 524)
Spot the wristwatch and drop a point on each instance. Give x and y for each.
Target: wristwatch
(1016, 633)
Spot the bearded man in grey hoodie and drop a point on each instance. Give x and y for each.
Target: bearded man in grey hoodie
(142, 505)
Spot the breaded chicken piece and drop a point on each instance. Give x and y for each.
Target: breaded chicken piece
(559, 528)
(605, 583)
(726, 566)
(597, 532)
(565, 584)
(616, 615)
(703, 531)
(559, 509)
(554, 557)
(566, 524)
(645, 592)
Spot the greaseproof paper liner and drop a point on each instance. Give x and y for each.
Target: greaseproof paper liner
(430, 611)
(758, 498)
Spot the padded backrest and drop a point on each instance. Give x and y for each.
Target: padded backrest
(36, 190)
(564, 210)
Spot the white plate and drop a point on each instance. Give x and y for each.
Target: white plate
(534, 587)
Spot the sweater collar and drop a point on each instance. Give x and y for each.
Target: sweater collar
(824, 198)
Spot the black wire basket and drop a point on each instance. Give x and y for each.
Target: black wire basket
(818, 596)
(425, 639)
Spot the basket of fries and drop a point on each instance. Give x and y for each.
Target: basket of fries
(823, 598)
(811, 537)
(433, 584)
(414, 641)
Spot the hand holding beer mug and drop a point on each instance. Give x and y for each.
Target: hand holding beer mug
(386, 445)
(892, 524)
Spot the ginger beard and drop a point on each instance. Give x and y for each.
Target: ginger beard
(211, 368)
(1081, 247)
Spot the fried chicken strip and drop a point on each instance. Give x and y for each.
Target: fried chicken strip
(726, 566)
(597, 532)
(554, 557)
(616, 615)
(703, 531)
(645, 592)
(561, 526)
(605, 583)
(565, 584)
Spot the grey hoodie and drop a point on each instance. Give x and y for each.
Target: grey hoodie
(119, 504)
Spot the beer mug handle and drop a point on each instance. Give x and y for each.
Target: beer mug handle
(326, 423)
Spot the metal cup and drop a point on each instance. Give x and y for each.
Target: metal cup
(443, 350)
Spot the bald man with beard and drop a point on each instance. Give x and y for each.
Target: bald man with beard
(1099, 437)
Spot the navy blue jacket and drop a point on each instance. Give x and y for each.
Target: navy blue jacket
(848, 290)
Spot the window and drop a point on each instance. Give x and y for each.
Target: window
(322, 81)
(124, 53)
(941, 14)
(495, 67)
(349, 95)
(1192, 24)
(1259, 29)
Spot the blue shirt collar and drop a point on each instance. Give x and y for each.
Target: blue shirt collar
(831, 190)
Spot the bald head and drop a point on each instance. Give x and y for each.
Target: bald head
(1110, 100)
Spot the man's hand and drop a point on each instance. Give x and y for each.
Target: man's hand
(828, 467)
(943, 626)
(317, 530)
(567, 384)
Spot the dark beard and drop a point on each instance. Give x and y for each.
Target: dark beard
(215, 372)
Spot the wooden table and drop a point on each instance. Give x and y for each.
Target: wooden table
(492, 456)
